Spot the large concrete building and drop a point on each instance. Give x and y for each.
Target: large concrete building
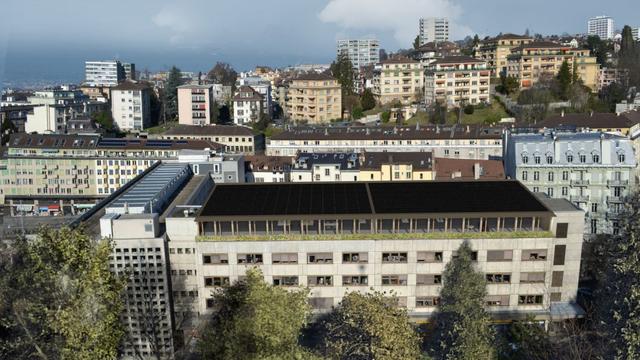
(195, 104)
(235, 139)
(457, 81)
(130, 106)
(495, 51)
(53, 109)
(361, 52)
(601, 26)
(314, 99)
(450, 141)
(247, 106)
(595, 171)
(104, 73)
(341, 237)
(433, 29)
(398, 80)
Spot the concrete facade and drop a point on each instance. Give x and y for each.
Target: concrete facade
(195, 104)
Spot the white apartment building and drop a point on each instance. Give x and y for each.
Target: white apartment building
(361, 52)
(635, 32)
(602, 26)
(263, 87)
(129, 71)
(433, 29)
(104, 73)
(457, 81)
(595, 171)
(130, 106)
(324, 167)
(341, 237)
(247, 106)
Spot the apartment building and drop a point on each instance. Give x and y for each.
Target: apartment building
(79, 167)
(376, 236)
(398, 79)
(261, 86)
(361, 52)
(432, 51)
(534, 61)
(495, 51)
(130, 106)
(620, 123)
(451, 141)
(595, 171)
(635, 32)
(195, 104)
(457, 81)
(104, 73)
(323, 167)
(399, 166)
(50, 119)
(468, 169)
(129, 71)
(268, 169)
(601, 26)
(247, 106)
(608, 76)
(433, 29)
(235, 139)
(314, 99)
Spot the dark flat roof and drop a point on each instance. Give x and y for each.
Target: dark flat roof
(285, 199)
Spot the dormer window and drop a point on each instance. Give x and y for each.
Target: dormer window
(583, 158)
(595, 158)
(549, 159)
(621, 157)
(536, 159)
(569, 158)
(525, 158)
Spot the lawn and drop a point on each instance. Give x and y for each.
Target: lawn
(161, 128)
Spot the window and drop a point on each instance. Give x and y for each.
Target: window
(549, 159)
(499, 255)
(498, 278)
(550, 176)
(249, 258)
(355, 257)
(429, 256)
(474, 255)
(428, 279)
(427, 301)
(326, 258)
(394, 279)
(284, 258)
(596, 158)
(558, 254)
(536, 175)
(530, 299)
(565, 175)
(285, 280)
(534, 255)
(327, 172)
(556, 278)
(525, 176)
(565, 191)
(569, 158)
(532, 277)
(355, 280)
(555, 297)
(550, 192)
(536, 159)
(215, 259)
(394, 257)
(561, 230)
(525, 159)
(583, 158)
(621, 157)
(319, 280)
(497, 300)
(210, 281)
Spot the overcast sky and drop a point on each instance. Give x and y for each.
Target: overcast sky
(51, 39)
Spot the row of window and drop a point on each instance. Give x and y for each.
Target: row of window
(595, 158)
(363, 257)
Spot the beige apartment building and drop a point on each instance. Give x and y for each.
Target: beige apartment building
(236, 139)
(314, 99)
(398, 79)
(457, 81)
(195, 104)
(495, 51)
(536, 60)
(399, 166)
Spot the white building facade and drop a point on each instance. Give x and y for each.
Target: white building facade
(602, 26)
(361, 52)
(433, 29)
(130, 106)
(104, 73)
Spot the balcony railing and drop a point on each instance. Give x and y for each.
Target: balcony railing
(617, 182)
(579, 198)
(615, 199)
(579, 182)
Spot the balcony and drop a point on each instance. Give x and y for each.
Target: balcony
(617, 182)
(615, 199)
(579, 182)
(579, 198)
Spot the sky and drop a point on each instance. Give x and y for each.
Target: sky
(44, 40)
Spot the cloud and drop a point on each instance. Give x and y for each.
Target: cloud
(400, 17)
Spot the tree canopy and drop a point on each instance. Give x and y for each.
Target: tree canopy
(58, 298)
(223, 73)
(342, 70)
(255, 320)
(367, 100)
(370, 326)
(171, 93)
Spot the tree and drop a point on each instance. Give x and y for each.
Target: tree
(564, 80)
(367, 100)
(383, 55)
(469, 109)
(598, 49)
(629, 56)
(171, 93)
(357, 113)
(416, 42)
(385, 116)
(530, 341)
(255, 320)
(611, 95)
(8, 128)
(58, 298)
(104, 119)
(223, 73)
(508, 84)
(342, 70)
(464, 327)
(618, 293)
(370, 326)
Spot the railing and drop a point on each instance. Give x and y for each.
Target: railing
(617, 182)
(615, 199)
(579, 182)
(579, 198)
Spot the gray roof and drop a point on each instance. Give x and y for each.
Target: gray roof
(346, 161)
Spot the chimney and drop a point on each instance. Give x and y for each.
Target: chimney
(477, 171)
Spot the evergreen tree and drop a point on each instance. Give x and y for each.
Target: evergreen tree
(342, 70)
(629, 56)
(367, 100)
(618, 294)
(171, 93)
(370, 326)
(564, 80)
(416, 42)
(255, 320)
(8, 128)
(464, 327)
(58, 298)
(530, 341)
